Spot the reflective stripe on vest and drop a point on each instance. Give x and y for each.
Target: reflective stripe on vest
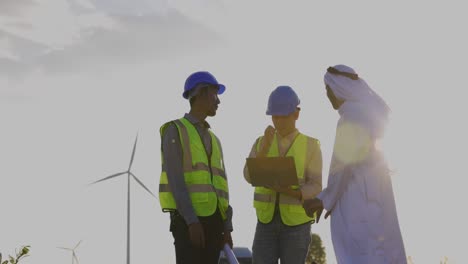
(291, 210)
(207, 185)
(194, 188)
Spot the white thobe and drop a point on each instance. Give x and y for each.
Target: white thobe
(364, 222)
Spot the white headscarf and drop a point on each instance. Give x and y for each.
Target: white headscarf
(362, 104)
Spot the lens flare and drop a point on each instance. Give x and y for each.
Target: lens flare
(352, 143)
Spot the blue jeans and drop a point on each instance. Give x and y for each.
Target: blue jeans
(276, 240)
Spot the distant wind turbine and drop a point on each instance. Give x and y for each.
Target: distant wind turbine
(129, 174)
(74, 257)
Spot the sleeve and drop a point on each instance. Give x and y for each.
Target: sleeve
(173, 162)
(252, 154)
(352, 144)
(313, 172)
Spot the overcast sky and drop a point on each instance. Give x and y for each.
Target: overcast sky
(80, 78)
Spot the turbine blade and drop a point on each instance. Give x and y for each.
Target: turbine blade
(133, 153)
(77, 245)
(65, 248)
(109, 177)
(142, 185)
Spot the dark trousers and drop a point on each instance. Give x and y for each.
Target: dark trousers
(186, 253)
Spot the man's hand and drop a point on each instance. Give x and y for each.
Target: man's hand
(313, 205)
(267, 139)
(285, 190)
(319, 213)
(197, 235)
(328, 214)
(269, 133)
(227, 239)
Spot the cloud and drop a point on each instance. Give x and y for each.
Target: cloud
(19, 25)
(20, 47)
(15, 7)
(42, 28)
(136, 7)
(49, 22)
(91, 37)
(81, 4)
(18, 55)
(133, 39)
(6, 49)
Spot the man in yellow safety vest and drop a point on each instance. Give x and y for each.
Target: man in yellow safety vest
(193, 185)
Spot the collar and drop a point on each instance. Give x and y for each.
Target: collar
(195, 121)
(288, 138)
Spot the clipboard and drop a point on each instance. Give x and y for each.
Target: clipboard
(272, 170)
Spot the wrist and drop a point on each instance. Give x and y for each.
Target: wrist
(294, 193)
(298, 194)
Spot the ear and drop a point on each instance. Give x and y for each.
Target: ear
(296, 114)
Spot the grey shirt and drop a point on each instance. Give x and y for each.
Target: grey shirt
(173, 162)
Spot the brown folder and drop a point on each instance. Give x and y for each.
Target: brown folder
(272, 171)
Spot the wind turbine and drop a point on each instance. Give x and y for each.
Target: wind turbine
(74, 257)
(129, 175)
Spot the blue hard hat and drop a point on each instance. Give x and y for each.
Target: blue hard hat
(283, 101)
(198, 78)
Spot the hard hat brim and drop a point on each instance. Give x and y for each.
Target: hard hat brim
(278, 113)
(221, 89)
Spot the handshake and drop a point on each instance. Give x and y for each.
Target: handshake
(315, 205)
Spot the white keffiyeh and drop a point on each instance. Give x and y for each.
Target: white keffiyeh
(362, 104)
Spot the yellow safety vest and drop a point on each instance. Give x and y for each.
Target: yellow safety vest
(291, 210)
(205, 178)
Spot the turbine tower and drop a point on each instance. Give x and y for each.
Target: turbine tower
(129, 175)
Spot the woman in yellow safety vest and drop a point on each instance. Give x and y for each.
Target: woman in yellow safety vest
(283, 227)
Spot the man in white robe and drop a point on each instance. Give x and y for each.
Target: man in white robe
(359, 195)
